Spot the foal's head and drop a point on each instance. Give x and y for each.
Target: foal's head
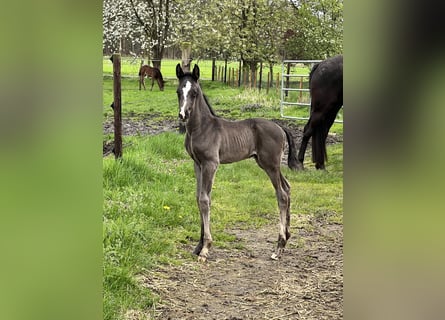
(188, 90)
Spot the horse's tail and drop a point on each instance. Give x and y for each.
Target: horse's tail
(319, 154)
(292, 161)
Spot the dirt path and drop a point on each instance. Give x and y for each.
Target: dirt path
(146, 125)
(306, 283)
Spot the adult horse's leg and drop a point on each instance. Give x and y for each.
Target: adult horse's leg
(307, 133)
(152, 82)
(326, 126)
(208, 170)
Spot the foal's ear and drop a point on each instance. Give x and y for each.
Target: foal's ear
(179, 72)
(195, 72)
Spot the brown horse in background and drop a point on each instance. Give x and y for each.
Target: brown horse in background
(154, 74)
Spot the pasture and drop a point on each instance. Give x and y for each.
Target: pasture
(151, 221)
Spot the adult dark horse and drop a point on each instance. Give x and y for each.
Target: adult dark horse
(211, 140)
(154, 74)
(326, 88)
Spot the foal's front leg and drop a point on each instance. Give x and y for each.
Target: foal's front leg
(197, 168)
(206, 181)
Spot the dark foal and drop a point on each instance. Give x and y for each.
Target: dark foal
(211, 140)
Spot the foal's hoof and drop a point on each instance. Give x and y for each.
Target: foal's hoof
(277, 254)
(197, 250)
(274, 256)
(202, 257)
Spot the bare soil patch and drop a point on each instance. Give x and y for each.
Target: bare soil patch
(306, 283)
(150, 124)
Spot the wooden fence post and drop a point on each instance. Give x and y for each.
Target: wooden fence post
(287, 79)
(225, 70)
(301, 92)
(186, 48)
(261, 76)
(213, 68)
(229, 77)
(117, 106)
(233, 77)
(239, 74)
(278, 82)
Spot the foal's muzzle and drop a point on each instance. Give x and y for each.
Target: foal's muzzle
(184, 116)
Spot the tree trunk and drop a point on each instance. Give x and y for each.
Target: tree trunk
(157, 56)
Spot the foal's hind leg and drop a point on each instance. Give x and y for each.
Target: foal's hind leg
(282, 192)
(283, 198)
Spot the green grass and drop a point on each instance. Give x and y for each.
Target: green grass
(149, 195)
(150, 209)
(231, 102)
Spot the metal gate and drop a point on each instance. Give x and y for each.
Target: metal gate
(297, 97)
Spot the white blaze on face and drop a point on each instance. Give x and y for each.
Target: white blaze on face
(185, 92)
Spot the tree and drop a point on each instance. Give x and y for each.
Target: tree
(153, 17)
(317, 31)
(247, 30)
(118, 26)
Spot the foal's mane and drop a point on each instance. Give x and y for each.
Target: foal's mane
(210, 107)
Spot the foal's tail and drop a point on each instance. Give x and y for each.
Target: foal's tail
(292, 161)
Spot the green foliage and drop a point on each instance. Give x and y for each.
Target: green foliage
(317, 30)
(249, 30)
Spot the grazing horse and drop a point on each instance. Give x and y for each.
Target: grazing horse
(326, 88)
(154, 74)
(211, 140)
